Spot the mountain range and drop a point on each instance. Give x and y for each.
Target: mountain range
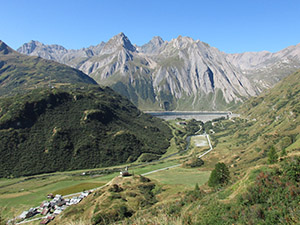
(181, 74)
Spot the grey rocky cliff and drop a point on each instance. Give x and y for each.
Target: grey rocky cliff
(182, 74)
(264, 68)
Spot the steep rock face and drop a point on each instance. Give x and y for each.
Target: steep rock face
(264, 68)
(182, 74)
(195, 70)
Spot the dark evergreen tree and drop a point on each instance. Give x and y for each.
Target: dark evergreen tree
(219, 176)
(272, 155)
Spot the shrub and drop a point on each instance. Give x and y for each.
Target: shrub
(115, 188)
(195, 162)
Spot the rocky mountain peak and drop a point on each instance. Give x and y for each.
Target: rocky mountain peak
(119, 40)
(153, 45)
(29, 47)
(157, 40)
(4, 49)
(182, 42)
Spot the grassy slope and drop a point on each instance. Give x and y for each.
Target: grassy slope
(122, 198)
(19, 73)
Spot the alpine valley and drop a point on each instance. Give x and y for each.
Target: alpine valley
(65, 137)
(181, 74)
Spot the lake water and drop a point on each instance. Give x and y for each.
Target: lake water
(203, 116)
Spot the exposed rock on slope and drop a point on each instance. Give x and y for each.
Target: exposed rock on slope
(265, 68)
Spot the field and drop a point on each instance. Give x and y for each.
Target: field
(181, 176)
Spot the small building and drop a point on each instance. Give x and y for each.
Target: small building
(27, 214)
(50, 196)
(57, 197)
(125, 172)
(74, 201)
(45, 205)
(45, 211)
(45, 221)
(61, 202)
(84, 194)
(51, 217)
(23, 215)
(32, 212)
(58, 211)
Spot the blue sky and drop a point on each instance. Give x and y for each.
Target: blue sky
(229, 25)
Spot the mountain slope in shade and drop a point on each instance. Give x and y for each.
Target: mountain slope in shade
(4, 49)
(48, 130)
(19, 73)
(182, 74)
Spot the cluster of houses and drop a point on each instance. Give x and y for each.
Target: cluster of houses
(52, 208)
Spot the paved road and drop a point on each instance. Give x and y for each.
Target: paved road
(154, 171)
(210, 147)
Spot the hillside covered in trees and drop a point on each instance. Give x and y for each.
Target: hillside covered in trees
(49, 130)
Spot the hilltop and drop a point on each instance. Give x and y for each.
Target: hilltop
(122, 198)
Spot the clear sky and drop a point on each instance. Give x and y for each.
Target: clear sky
(229, 25)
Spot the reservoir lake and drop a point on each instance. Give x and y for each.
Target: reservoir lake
(203, 116)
